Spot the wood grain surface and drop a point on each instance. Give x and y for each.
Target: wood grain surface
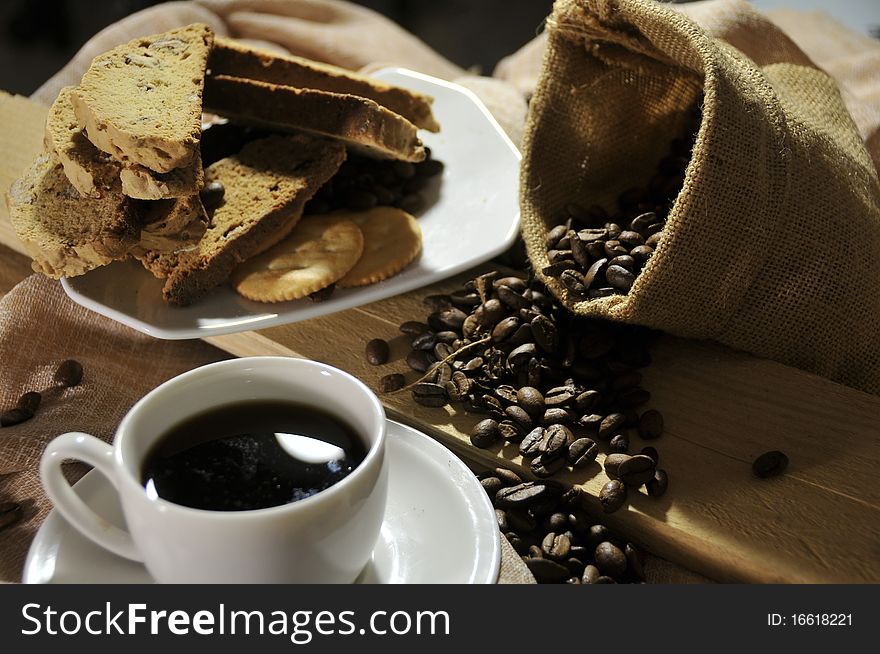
(819, 522)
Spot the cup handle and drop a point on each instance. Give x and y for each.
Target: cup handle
(86, 448)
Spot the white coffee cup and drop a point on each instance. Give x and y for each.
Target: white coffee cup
(325, 538)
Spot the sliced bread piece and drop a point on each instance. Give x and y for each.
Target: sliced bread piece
(231, 57)
(266, 186)
(90, 171)
(142, 101)
(65, 233)
(359, 122)
(93, 172)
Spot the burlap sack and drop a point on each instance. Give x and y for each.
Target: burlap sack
(773, 245)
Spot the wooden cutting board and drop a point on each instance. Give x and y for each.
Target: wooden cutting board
(820, 522)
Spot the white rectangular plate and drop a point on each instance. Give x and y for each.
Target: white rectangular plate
(474, 217)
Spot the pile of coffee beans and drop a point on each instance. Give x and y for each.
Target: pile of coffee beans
(596, 254)
(547, 525)
(68, 374)
(552, 383)
(363, 183)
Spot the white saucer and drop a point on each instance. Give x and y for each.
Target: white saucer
(439, 526)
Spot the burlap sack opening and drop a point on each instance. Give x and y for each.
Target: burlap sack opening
(773, 244)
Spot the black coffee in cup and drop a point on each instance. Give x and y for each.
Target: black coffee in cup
(251, 455)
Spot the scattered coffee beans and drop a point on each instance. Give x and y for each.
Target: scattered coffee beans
(612, 496)
(546, 524)
(770, 464)
(393, 382)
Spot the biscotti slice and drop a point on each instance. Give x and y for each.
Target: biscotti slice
(144, 184)
(142, 101)
(65, 233)
(359, 122)
(231, 57)
(93, 172)
(90, 171)
(266, 187)
(170, 225)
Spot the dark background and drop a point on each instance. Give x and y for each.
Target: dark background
(37, 37)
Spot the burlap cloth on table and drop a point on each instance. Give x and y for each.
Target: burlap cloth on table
(773, 244)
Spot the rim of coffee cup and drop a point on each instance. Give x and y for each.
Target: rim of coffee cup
(132, 478)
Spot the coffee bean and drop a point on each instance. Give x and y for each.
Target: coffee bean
(555, 416)
(508, 477)
(30, 402)
(658, 485)
(554, 235)
(425, 341)
(390, 383)
(556, 546)
(614, 248)
(636, 470)
(520, 356)
(557, 439)
(536, 552)
(651, 424)
(520, 520)
(522, 495)
(591, 574)
(543, 467)
(654, 240)
(510, 431)
(651, 452)
(14, 417)
(531, 400)
(519, 416)
(506, 393)
(414, 328)
(211, 195)
(612, 496)
(597, 534)
(611, 425)
(490, 313)
(610, 560)
(419, 360)
(505, 329)
(451, 319)
(633, 397)
(574, 282)
(530, 446)
(619, 443)
(634, 563)
(619, 277)
(582, 452)
(443, 351)
(641, 254)
(587, 401)
(377, 352)
(69, 373)
(624, 261)
(485, 433)
(545, 334)
(491, 485)
(642, 221)
(546, 571)
(579, 250)
(429, 394)
(631, 239)
(10, 514)
(770, 464)
(501, 518)
(612, 464)
(512, 299)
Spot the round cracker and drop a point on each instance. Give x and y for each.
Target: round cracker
(392, 240)
(318, 252)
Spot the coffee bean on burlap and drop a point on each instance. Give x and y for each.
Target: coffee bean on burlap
(69, 373)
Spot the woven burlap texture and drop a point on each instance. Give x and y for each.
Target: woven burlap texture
(773, 244)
